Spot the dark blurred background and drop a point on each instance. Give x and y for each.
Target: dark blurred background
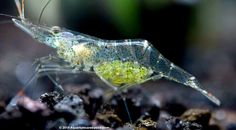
(198, 36)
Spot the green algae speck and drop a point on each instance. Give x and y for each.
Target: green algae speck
(120, 73)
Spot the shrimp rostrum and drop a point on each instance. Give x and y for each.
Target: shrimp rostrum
(119, 63)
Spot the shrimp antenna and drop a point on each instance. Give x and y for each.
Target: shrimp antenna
(21, 8)
(7, 15)
(40, 16)
(7, 21)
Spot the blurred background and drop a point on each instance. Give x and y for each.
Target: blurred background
(198, 36)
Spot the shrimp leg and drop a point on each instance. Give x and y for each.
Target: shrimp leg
(52, 64)
(45, 66)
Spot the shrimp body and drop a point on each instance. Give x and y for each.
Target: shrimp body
(87, 54)
(119, 63)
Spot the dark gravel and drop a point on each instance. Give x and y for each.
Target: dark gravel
(84, 109)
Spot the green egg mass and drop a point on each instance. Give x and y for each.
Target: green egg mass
(120, 73)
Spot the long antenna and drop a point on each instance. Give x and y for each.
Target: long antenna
(18, 5)
(40, 16)
(7, 21)
(7, 15)
(21, 8)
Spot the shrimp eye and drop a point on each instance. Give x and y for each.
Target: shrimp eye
(55, 29)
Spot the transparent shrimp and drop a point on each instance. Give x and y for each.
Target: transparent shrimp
(119, 63)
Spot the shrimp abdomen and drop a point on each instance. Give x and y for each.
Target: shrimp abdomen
(170, 71)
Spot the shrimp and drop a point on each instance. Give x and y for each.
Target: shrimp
(121, 64)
